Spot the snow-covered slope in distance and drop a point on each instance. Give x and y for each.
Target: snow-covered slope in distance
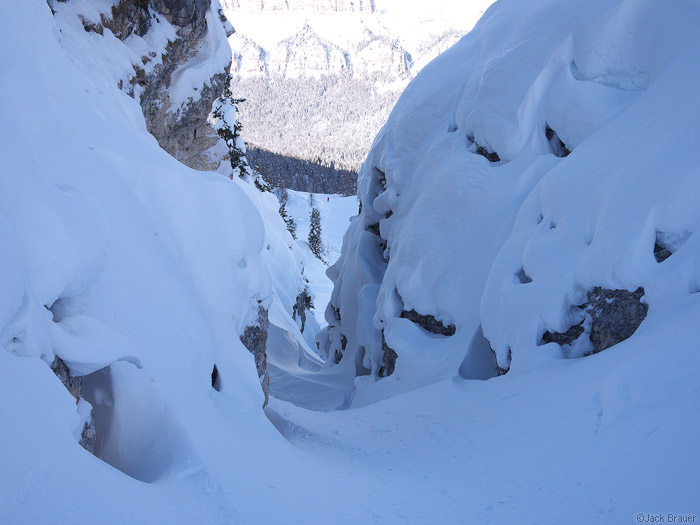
(336, 212)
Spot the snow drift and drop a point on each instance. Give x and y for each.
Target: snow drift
(547, 155)
(532, 199)
(128, 273)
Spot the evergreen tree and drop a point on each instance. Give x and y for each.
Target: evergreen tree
(283, 196)
(315, 234)
(292, 227)
(227, 126)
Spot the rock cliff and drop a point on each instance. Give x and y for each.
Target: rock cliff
(180, 62)
(319, 6)
(182, 130)
(373, 56)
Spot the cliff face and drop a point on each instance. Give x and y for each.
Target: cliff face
(320, 79)
(320, 6)
(179, 64)
(183, 130)
(373, 58)
(180, 126)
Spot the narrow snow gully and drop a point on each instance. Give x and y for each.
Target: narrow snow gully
(517, 299)
(512, 326)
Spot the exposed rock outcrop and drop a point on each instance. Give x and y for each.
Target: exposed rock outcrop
(186, 134)
(181, 127)
(477, 148)
(661, 253)
(614, 315)
(563, 338)
(669, 242)
(74, 385)
(388, 359)
(555, 143)
(302, 304)
(183, 132)
(254, 338)
(429, 323)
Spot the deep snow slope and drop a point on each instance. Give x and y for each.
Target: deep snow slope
(476, 222)
(288, 380)
(140, 274)
(335, 212)
(116, 255)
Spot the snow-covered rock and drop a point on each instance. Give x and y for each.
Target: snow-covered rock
(522, 191)
(171, 55)
(130, 275)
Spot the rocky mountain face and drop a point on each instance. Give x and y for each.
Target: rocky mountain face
(172, 56)
(374, 57)
(320, 6)
(186, 33)
(294, 107)
(182, 131)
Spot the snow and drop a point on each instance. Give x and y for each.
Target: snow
(136, 255)
(568, 224)
(336, 212)
(85, 345)
(413, 25)
(413, 22)
(106, 55)
(113, 252)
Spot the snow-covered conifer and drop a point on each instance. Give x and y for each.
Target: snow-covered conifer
(315, 242)
(227, 126)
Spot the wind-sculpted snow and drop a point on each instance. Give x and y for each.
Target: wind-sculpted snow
(123, 265)
(585, 114)
(133, 275)
(171, 55)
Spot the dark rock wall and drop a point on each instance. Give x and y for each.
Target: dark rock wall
(254, 338)
(183, 132)
(74, 385)
(614, 315)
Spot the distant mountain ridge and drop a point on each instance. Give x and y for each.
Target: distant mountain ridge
(368, 49)
(376, 57)
(323, 6)
(290, 56)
